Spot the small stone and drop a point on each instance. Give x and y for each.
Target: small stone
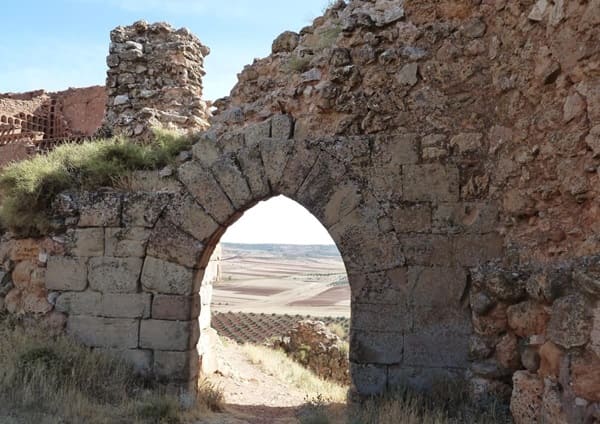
(312, 75)
(475, 28)
(467, 142)
(481, 303)
(550, 357)
(285, 42)
(408, 74)
(538, 10)
(530, 358)
(507, 352)
(585, 376)
(121, 100)
(574, 107)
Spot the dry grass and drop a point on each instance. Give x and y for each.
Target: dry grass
(278, 364)
(44, 376)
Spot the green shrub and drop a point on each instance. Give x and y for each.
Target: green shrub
(28, 188)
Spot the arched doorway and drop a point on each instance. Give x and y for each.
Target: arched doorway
(275, 283)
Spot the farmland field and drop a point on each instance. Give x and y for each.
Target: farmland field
(282, 279)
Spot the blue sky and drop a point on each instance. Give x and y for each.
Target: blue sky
(57, 44)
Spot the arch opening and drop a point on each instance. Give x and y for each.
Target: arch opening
(275, 278)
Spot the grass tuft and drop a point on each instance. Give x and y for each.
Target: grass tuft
(27, 188)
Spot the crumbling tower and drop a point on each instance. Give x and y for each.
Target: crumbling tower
(155, 80)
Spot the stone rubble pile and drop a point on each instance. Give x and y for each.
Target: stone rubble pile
(314, 346)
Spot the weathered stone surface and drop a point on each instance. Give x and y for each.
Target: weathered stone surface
(412, 219)
(527, 318)
(493, 323)
(87, 242)
(469, 217)
(472, 250)
(585, 376)
(205, 189)
(164, 277)
(143, 209)
(100, 209)
(275, 155)
(114, 275)
(430, 183)
(552, 410)
(232, 182)
(526, 400)
(368, 379)
(507, 352)
(467, 142)
(376, 347)
(169, 335)
(104, 332)
(126, 242)
(550, 358)
(105, 305)
(175, 308)
(570, 322)
(182, 366)
(595, 334)
(285, 42)
(170, 243)
(64, 273)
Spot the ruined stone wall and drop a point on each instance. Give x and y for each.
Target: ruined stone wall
(155, 80)
(449, 149)
(33, 122)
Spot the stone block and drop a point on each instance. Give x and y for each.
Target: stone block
(100, 209)
(275, 154)
(143, 209)
(232, 182)
(585, 376)
(422, 347)
(430, 183)
(376, 347)
(202, 185)
(104, 332)
(114, 275)
(368, 379)
(342, 201)
(176, 366)
(437, 287)
(412, 219)
(475, 249)
(188, 215)
(206, 149)
(66, 273)
(105, 305)
(318, 187)
(422, 379)
(471, 218)
(467, 142)
(170, 243)
(86, 242)
(176, 308)
(281, 126)
(250, 161)
(164, 277)
(126, 242)
(296, 171)
(427, 249)
(257, 132)
(386, 287)
(141, 360)
(169, 335)
(381, 317)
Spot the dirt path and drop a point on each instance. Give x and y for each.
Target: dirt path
(253, 396)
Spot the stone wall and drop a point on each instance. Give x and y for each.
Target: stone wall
(449, 148)
(155, 80)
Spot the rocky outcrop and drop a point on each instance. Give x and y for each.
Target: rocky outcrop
(313, 345)
(155, 80)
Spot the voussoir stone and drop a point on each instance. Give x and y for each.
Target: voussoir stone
(114, 275)
(66, 273)
(171, 243)
(164, 277)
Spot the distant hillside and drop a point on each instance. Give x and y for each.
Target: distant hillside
(282, 250)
